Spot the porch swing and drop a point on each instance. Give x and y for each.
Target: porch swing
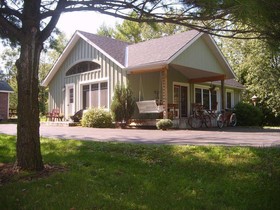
(148, 106)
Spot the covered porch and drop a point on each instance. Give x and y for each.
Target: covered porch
(175, 89)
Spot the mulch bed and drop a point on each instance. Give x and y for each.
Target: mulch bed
(9, 173)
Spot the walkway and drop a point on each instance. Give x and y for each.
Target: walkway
(228, 136)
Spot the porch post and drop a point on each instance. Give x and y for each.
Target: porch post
(223, 94)
(164, 92)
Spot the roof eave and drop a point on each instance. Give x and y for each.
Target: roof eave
(60, 59)
(147, 67)
(229, 72)
(101, 50)
(6, 91)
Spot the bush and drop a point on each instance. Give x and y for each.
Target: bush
(164, 124)
(97, 118)
(248, 115)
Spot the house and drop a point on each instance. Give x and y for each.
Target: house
(5, 90)
(176, 71)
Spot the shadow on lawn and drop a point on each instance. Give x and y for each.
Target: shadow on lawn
(137, 176)
(126, 176)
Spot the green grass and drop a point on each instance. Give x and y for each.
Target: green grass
(136, 176)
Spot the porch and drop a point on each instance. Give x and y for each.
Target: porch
(175, 89)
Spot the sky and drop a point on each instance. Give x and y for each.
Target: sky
(83, 21)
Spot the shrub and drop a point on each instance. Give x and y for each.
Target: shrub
(123, 104)
(97, 118)
(164, 124)
(248, 115)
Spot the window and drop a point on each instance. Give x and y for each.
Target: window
(71, 95)
(229, 100)
(206, 97)
(198, 96)
(83, 67)
(95, 95)
(103, 94)
(85, 96)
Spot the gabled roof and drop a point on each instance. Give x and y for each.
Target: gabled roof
(160, 50)
(5, 87)
(113, 47)
(150, 54)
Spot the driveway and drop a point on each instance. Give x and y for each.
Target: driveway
(228, 136)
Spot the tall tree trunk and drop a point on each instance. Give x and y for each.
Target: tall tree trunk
(28, 135)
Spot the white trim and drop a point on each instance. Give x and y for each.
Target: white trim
(148, 66)
(187, 45)
(99, 49)
(205, 87)
(222, 56)
(6, 91)
(79, 61)
(182, 84)
(66, 96)
(71, 44)
(61, 59)
(105, 79)
(90, 82)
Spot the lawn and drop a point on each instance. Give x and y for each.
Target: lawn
(102, 175)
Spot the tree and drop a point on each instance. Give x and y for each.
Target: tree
(133, 32)
(29, 23)
(123, 104)
(256, 66)
(255, 18)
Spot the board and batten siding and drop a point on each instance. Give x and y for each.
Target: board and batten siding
(83, 51)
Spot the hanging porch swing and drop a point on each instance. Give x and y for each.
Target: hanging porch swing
(148, 106)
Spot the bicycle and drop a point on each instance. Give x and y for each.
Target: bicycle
(199, 118)
(227, 117)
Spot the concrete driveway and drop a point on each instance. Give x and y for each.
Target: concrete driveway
(227, 136)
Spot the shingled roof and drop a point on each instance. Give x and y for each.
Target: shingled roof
(158, 50)
(113, 47)
(5, 87)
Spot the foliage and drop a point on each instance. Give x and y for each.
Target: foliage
(256, 18)
(97, 118)
(30, 23)
(9, 56)
(258, 68)
(103, 175)
(164, 124)
(133, 32)
(123, 104)
(248, 115)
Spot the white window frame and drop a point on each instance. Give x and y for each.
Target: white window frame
(206, 87)
(91, 82)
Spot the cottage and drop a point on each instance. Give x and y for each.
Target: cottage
(5, 90)
(173, 72)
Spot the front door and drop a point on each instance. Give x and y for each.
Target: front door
(70, 101)
(181, 99)
(184, 101)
